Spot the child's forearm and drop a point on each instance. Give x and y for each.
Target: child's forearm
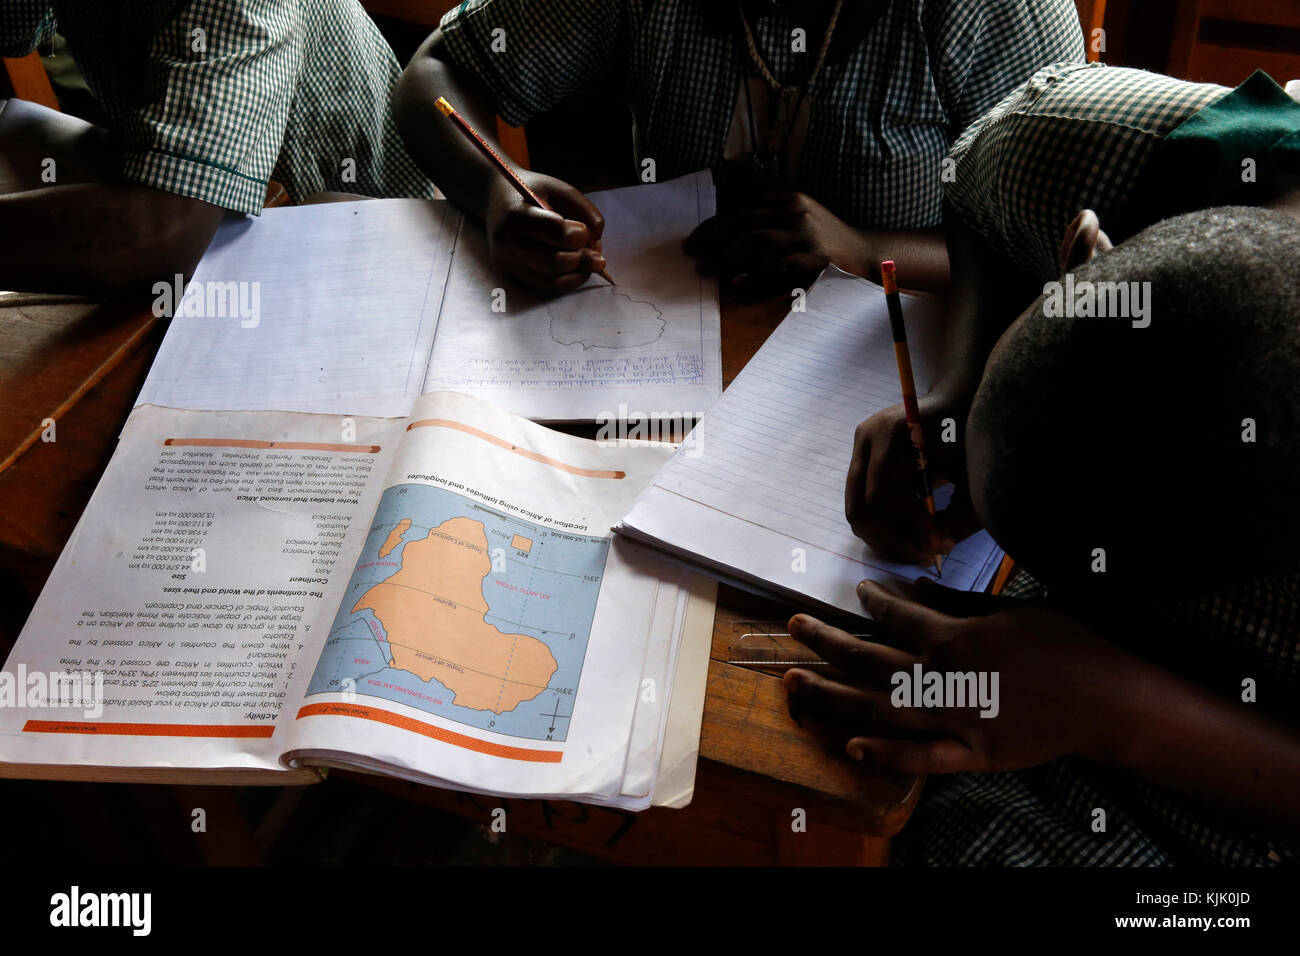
(464, 175)
(99, 238)
(988, 293)
(921, 254)
(1224, 752)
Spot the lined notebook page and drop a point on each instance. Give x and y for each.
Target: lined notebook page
(650, 344)
(774, 452)
(347, 297)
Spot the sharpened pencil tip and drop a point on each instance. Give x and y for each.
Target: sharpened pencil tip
(604, 274)
(938, 565)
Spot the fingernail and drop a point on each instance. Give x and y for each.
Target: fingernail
(857, 754)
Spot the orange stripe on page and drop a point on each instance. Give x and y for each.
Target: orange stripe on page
(144, 730)
(280, 445)
(502, 443)
(429, 730)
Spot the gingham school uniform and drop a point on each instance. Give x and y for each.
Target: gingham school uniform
(210, 99)
(900, 81)
(1072, 138)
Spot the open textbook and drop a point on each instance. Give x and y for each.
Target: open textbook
(357, 308)
(252, 595)
(756, 494)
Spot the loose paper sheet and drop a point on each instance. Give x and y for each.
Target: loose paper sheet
(758, 488)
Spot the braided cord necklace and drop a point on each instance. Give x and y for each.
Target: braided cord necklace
(778, 89)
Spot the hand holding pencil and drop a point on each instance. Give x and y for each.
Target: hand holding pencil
(540, 229)
(911, 410)
(888, 495)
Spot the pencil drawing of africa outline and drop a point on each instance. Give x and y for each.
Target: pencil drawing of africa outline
(604, 318)
(434, 613)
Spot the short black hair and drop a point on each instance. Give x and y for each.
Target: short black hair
(1090, 433)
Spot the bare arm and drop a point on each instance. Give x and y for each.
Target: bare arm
(460, 170)
(1184, 737)
(921, 251)
(551, 251)
(1062, 689)
(989, 292)
(98, 237)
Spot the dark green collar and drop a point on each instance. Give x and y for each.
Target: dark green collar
(1233, 152)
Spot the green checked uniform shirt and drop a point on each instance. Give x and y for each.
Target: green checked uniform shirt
(902, 79)
(211, 99)
(1136, 147)
(1133, 146)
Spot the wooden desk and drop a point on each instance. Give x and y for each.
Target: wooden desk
(83, 365)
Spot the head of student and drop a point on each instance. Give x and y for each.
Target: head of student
(1137, 429)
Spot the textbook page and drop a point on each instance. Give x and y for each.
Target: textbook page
(199, 585)
(328, 308)
(649, 347)
(757, 490)
(492, 637)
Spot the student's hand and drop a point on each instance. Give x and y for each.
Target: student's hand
(880, 491)
(1056, 683)
(549, 251)
(784, 240)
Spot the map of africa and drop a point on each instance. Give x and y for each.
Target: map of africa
(466, 612)
(604, 318)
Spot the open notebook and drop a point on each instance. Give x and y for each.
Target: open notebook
(756, 493)
(358, 308)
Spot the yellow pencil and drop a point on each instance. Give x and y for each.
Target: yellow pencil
(890, 281)
(504, 168)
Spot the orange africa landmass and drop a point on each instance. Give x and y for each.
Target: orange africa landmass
(433, 610)
(394, 537)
